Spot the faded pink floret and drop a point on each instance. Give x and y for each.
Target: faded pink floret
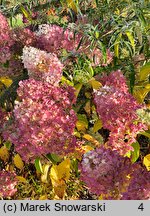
(5, 40)
(43, 121)
(117, 109)
(42, 65)
(8, 183)
(139, 188)
(106, 172)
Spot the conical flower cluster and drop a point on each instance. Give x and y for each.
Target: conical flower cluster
(43, 121)
(117, 109)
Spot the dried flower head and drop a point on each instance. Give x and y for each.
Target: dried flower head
(106, 172)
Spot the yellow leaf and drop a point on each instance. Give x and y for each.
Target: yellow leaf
(117, 11)
(78, 88)
(91, 139)
(4, 154)
(131, 39)
(18, 162)
(60, 188)
(26, 13)
(6, 81)
(61, 171)
(88, 95)
(77, 134)
(80, 126)
(11, 167)
(82, 123)
(88, 137)
(95, 84)
(147, 86)
(97, 126)
(43, 197)
(128, 154)
(124, 12)
(140, 93)
(44, 176)
(66, 81)
(87, 107)
(87, 148)
(21, 179)
(146, 161)
(73, 5)
(100, 197)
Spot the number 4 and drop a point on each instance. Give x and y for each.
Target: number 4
(141, 207)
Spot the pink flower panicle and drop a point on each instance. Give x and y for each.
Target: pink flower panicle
(116, 80)
(139, 188)
(5, 40)
(41, 65)
(23, 37)
(106, 172)
(8, 182)
(117, 109)
(53, 38)
(44, 120)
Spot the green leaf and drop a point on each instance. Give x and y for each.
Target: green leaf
(53, 158)
(139, 34)
(103, 49)
(135, 154)
(90, 70)
(132, 77)
(38, 165)
(8, 144)
(74, 165)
